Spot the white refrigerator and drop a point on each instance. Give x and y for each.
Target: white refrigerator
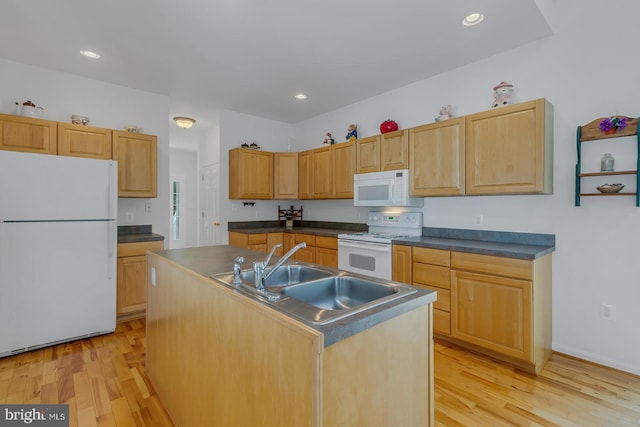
(58, 236)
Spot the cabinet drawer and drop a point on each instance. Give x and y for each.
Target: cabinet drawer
(441, 321)
(326, 242)
(309, 238)
(444, 297)
(138, 248)
(432, 256)
(257, 239)
(497, 266)
(426, 274)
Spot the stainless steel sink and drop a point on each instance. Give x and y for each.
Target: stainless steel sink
(339, 292)
(285, 275)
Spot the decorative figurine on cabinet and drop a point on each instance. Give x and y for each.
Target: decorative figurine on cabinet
(445, 113)
(328, 140)
(502, 94)
(353, 133)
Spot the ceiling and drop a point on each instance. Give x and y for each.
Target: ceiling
(253, 56)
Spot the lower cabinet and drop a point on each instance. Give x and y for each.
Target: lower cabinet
(131, 300)
(327, 251)
(307, 254)
(255, 242)
(494, 305)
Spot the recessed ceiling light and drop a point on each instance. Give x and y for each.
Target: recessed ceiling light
(472, 19)
(90, 54)
(301, 96)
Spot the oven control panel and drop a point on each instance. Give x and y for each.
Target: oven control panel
(395, 220)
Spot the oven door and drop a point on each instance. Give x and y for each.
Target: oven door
(371, 259)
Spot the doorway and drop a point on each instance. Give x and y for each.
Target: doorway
(211, 231)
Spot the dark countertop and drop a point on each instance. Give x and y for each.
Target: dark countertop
(137, 233)
(318, 228)
(210, 260)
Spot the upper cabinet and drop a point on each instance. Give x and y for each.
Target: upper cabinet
(285, 176)
(322, 173)
(368, 154)
(29, 135)
(137, 164)
(436, 158)
(344, 167)
(304, 175)
(509, 149)
(84, 141)
(250, 174)
(394, 150)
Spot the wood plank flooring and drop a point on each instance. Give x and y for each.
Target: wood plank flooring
(103, 381)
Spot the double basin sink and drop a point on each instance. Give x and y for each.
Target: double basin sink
(318, 295)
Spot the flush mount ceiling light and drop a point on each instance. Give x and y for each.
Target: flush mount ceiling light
(301, 96)
(472, 19)
(90, 54)
(184, 122)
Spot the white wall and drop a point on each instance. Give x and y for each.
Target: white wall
(106, 105)
(587, 69)
(184, 163)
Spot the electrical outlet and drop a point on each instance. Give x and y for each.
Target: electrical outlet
(148, 207)
(608, 311)
(153, 276)
(479, 219)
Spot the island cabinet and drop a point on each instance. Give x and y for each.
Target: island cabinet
(368, 154)
(344, 167)
(217, 357)
(437, 158)
(131, 288)
(285, 176)
(28, 135)
(84, 141)
(137, 156)
(250, 174)
(503, 306)
(394, 150)
(509, 149)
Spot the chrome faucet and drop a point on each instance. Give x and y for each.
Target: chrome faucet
(260, 273)
(237, 280)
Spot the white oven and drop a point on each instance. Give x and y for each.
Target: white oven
(370, 253)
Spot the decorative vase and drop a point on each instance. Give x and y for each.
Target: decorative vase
(606, 163)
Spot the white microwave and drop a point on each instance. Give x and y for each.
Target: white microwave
(387, 188)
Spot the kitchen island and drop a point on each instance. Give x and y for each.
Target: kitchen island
(217, 356)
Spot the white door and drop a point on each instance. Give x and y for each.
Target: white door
(211, 232)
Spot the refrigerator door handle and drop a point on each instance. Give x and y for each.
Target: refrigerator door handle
(111, 247)
(112, 190)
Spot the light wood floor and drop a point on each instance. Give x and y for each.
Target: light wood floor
(103, 381)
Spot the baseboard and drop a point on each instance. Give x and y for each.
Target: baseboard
(598, 360)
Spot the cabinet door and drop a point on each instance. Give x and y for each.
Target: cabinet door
(250, 174)
(285, 176)
(304, 175)
(307, 254)
(322, 173)
(492, 312)
(344, 156)
(401, 256)
(394, 150)
(327, 257)
(132, 279)
(508, 149)
(274, 239)
(84, 141)
(28, 135)
(137, 156)
(368, 154)
(239, 240)
(288, 241)
(436, 158)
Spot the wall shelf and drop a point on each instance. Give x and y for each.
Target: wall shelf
(591, 132)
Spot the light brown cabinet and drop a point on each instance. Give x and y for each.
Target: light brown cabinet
(368, 154)
(437, 158)
(275, 239)
(250, 174)
(322, 173)
(509, 149)
(255, 242)
(503, 305)
(394, 150)
(431, 270)
(327, 251)
(131, 285)
(344, 160)
(28, 135)
(84, 141)
(304, 175)
(137, 156)
(285, 176)
(307, 254)
(401, 263)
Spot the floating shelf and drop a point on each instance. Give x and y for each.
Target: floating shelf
(592, 132)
